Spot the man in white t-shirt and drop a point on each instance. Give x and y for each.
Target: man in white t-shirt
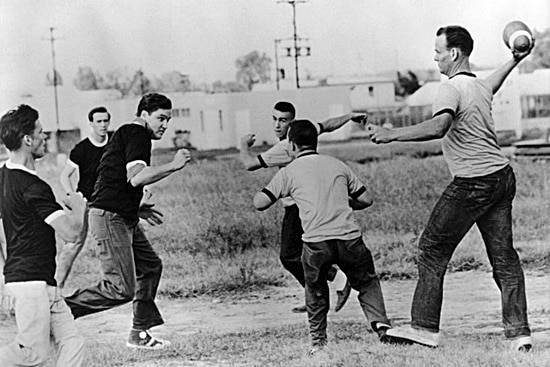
(284, 115)
(481, 192)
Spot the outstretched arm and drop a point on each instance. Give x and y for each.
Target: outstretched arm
(433, 128)
(149, 175)
(497, 78)
(335, 123)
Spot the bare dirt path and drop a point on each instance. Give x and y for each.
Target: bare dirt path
(471, 305)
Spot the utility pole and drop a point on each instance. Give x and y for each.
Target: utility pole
(52, 41)
(295, 37)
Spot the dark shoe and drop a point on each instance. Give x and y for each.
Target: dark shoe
(343, 296)
(299, 309)
(332, 273)
(381, 330)
(142, 339)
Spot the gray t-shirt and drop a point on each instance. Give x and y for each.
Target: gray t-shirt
(470, 146)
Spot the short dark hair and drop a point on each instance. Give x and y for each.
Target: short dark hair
(95, 110)
(303, 133)
(458, 37)
(17, 123)
(151, 102)
(285, 107)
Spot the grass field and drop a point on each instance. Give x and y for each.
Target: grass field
(214, 239)
(213, 243)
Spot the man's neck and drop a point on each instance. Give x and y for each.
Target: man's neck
(462, 66)
(23, 158)
(306, 151)
(98, 138)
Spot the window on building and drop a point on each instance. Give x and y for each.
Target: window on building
(371, 91)
(221, 119)
(175, 112)
(202, 121)
(185, 112)
(535, 106)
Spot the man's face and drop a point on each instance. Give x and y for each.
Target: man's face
(38, 144)
(157, 122)
(443, 55)
(281, 123)
(100, 123)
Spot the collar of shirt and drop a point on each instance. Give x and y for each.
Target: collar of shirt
(11, 165)
(306, 152)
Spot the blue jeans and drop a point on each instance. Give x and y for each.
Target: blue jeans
(355, 260)
(487, 202)
(130, 267)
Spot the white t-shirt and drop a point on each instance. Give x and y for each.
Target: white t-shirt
(470, 146)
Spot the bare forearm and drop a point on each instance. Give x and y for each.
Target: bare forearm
(497, 78)
(335, 123)
(248, 159)
(150, 175)
(427, 130)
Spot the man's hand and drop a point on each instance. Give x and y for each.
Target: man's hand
(248, 140)
(75, 202)
(378, 134)
(518, 56)
(7, 303)
(360, 118)
(181, 158)
(146, 211)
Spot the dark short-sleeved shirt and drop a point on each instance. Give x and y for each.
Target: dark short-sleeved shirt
(130, 144)
(28, 206)
(85, 156)
(320, 185)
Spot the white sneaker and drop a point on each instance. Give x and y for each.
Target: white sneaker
(521, 344)
(142, 339)
(408, 334)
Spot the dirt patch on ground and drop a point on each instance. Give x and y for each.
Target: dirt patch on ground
(471, 306)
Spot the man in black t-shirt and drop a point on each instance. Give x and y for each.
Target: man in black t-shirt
(131, 269)
(83, 162)
(31, 217)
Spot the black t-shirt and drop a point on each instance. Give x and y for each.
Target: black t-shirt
(86, 156)
(113, 192)
(25, 202)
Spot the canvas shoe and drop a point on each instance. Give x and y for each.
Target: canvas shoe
(142, 339)
(382, 331)
(410, 335)
(522, 344)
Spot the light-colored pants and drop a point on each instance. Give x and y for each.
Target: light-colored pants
(42, 317)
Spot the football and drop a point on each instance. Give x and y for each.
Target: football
(517, 36)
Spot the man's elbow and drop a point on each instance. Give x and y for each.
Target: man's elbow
(260, 203)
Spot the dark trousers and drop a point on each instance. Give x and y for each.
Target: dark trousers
(291, 244)
(355, 260)
(130, 267)
(487, 202)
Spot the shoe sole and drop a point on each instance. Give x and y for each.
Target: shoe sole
(399, 339)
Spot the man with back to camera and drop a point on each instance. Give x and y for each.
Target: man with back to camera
(284, 114)
(31, 217)
(481, 191)
(83, 162)
(130, 267)
(326, 192)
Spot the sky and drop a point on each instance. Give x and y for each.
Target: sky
(203, 38)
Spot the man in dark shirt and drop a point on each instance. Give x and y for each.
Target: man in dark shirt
(31, 217)
(83, 162)
(131, 268)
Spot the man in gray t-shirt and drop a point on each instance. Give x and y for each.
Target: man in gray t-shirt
(481, 192)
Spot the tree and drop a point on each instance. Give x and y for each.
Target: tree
(253, 68)
(86, 78)
(173, 81)
(50, 79)
(230, 87)
(540, 56)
